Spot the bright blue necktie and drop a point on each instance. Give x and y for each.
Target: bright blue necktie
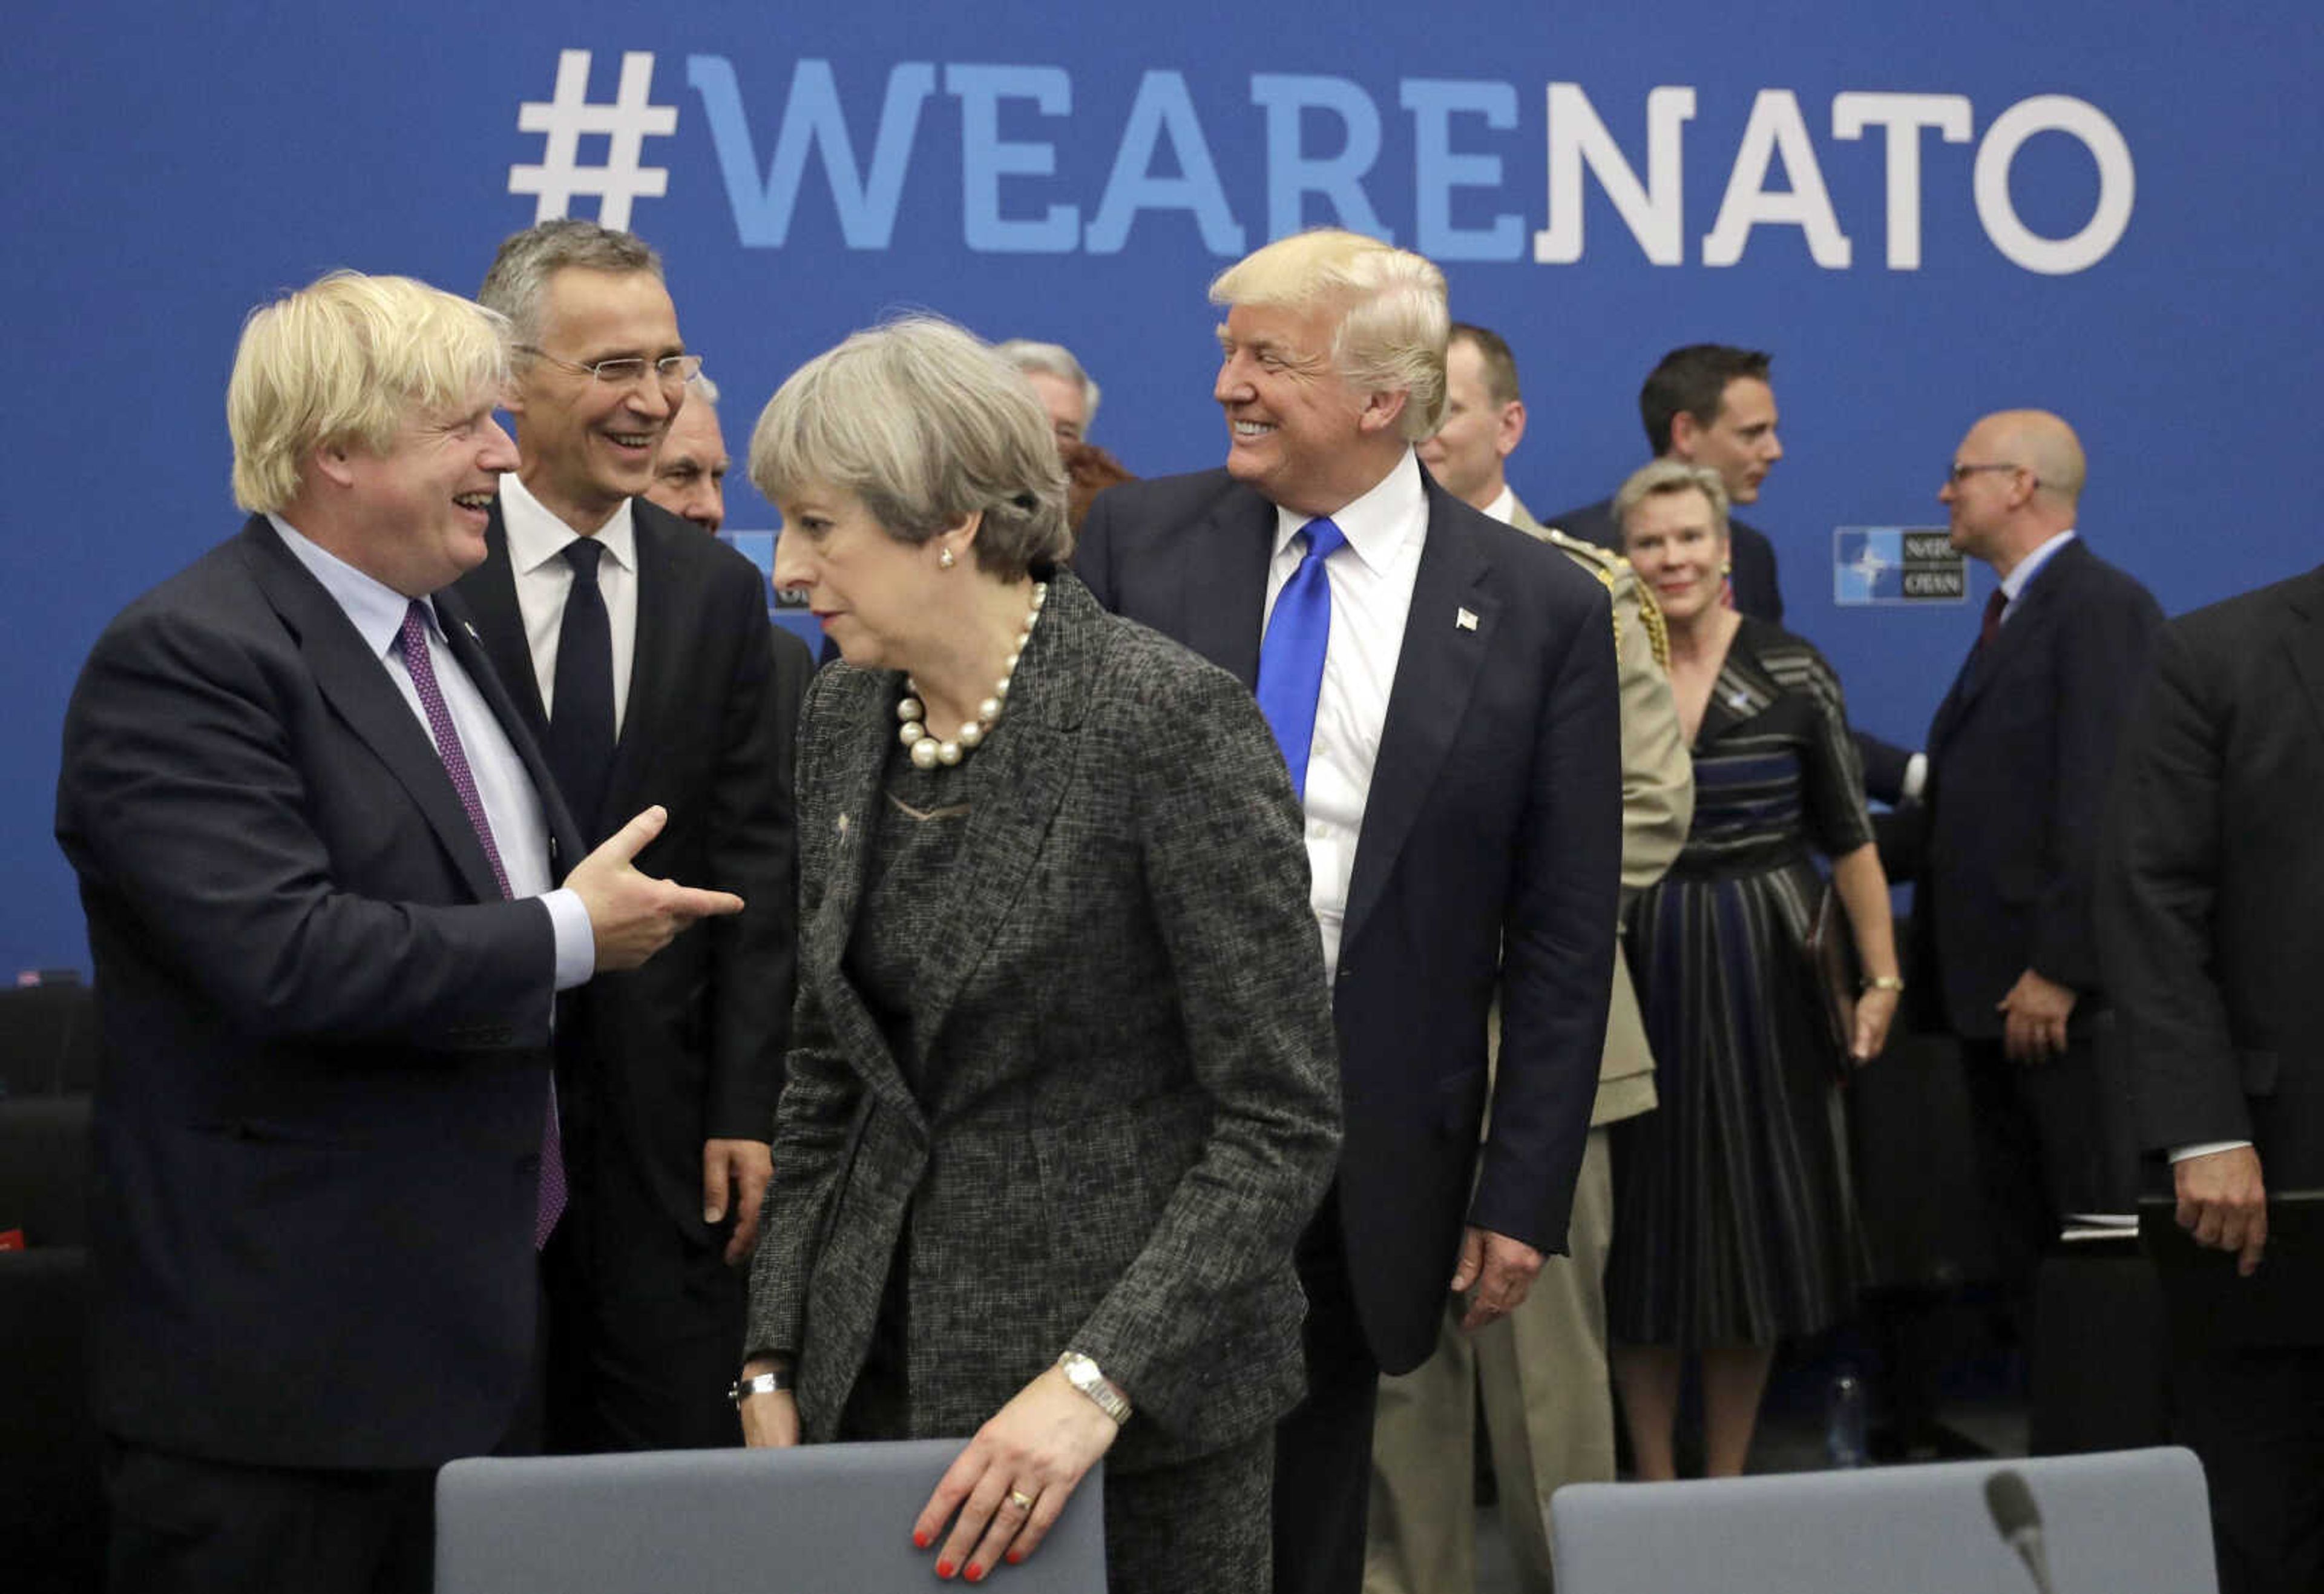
(1291, 653)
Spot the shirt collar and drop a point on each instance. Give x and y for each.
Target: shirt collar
(2031, 565)
(376, 609)
(1394, 512)
(536, 536)
(1504, 507)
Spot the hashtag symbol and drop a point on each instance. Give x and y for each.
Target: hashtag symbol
(627, 123)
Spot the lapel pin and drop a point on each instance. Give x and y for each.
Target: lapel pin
(1464, 619)
(842, 825)
(470, 627)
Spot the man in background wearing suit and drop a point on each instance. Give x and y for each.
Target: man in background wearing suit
(689, 473)
(2208, 881)
(2004, 949)
(639, 650)
(315, 844)
(1710, 405)
(1541, 1371)
(1445, 691)
(690, 480)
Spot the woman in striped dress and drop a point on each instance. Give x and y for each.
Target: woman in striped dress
(1733, 1222)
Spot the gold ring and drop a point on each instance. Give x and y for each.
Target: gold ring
(1020, 1499)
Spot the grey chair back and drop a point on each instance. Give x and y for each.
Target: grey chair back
(2128, 1522)
(821, 1517)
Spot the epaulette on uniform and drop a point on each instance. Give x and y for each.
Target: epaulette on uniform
(1610, 568)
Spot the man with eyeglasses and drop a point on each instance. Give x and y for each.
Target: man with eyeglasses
(639, 651)
(2020, 752)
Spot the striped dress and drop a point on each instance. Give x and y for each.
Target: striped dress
(1733, 1221)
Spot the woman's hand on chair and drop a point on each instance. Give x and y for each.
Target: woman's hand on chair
(1011, 1482)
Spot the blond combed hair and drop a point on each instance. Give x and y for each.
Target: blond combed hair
(346, 360)
(1393, 326)
(925, 425)
(1661, 477)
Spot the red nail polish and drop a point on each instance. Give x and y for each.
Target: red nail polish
(919, 1540)
(976, 1574)
(943, 1568)
(1016, 1556)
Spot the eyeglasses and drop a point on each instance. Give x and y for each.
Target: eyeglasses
(672, 370)
(1959, 474)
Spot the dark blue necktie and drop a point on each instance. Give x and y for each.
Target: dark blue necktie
(1291, 653)
(581, 699)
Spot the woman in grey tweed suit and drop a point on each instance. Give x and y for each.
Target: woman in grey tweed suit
(1062, 1089)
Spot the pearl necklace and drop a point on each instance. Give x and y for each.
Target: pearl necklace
(926, 751)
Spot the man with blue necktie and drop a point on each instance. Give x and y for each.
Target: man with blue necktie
(319, 854)
(1445, 689)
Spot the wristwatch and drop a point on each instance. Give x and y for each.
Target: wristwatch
(1883, 982)
(1083, 1373)
(742, 1389)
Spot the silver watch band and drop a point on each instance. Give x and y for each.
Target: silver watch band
(1083, 1373)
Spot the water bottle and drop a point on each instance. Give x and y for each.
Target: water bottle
(1845, 1420)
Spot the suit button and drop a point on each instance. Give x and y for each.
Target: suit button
(1344, 971)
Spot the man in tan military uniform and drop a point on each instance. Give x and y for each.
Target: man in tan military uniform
(1549, 1412)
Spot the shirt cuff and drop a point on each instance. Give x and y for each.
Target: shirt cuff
(2204, 1148)
(1916, 776)
(577, 941)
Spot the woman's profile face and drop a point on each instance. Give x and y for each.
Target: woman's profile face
(1675, 543)
(871, 593)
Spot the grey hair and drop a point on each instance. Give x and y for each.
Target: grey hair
(1661, 477)
(519, 279)
(705, 390)
(1058, 361)
(925, 424)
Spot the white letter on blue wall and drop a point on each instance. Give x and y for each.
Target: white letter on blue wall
(985, 159)
(2118, 183)
(1162, 106)
(866, 205)
(1437, 170)
(1776, 126)
(1292, 174)
(1903, 116)
(1655, 212)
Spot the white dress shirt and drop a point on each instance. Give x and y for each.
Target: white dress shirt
(1372, 581)
(537, 540)
(512, 806)
(1504, 507)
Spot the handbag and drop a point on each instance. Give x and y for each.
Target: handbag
(1835, 972)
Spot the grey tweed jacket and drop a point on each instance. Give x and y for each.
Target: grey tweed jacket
(1132, 1096)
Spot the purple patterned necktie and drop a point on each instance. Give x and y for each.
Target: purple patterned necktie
(412, 641)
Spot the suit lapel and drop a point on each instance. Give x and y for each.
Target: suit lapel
(849, 777)
(655, 665)
(2027, 616)
(1017, 781)
(364, 696)
(2304, 639)
(566, 845)
(1227, 555)
(490, 589)
(1434, 673)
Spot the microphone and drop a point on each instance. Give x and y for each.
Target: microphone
(2018, 1520)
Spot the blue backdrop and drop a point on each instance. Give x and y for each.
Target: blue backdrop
(1926, 213)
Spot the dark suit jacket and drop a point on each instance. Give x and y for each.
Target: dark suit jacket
(1757, 591)
(2210, 881)
(326, 1035)
(1126, 1113)
(2019, 755)
(691, 1046)
(1490, 855)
